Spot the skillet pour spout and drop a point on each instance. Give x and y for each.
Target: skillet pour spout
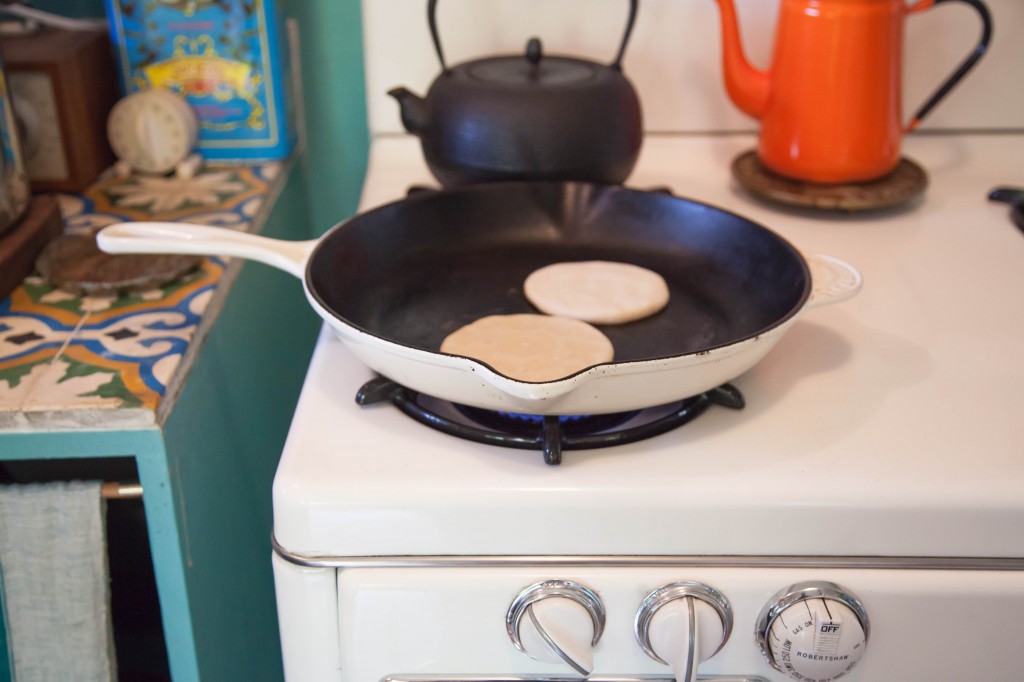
(394, 281)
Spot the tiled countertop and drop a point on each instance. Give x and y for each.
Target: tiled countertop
(71, 361)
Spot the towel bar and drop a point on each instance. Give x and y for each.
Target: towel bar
(112, 490)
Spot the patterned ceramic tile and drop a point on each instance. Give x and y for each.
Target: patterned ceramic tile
(19, 374)
(61, 351)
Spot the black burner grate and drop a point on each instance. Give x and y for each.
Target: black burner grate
(549, 434)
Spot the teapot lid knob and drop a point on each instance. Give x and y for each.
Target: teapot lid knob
(533, 51)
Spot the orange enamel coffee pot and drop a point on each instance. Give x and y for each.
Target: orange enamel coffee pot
(829, 105)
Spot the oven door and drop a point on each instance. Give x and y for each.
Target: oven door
(440, 619)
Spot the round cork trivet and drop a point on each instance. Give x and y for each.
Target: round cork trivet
(907, 181)
(74, 263)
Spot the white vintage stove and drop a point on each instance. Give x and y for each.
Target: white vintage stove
(861, 517)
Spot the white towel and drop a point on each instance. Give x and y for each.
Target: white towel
(56, 583)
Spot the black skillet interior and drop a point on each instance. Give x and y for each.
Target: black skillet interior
(413, 271)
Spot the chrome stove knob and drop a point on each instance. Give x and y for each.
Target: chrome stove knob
(557, 621)
(813, 631)
(682, 624)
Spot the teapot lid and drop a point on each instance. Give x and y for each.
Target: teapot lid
(533, 70)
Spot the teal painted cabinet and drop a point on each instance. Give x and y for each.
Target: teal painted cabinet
(206, 461)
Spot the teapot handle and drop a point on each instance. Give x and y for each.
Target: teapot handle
(968, 63)
(617, 64)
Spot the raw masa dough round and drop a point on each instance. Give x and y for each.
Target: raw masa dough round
(600, 292)
(530, 347)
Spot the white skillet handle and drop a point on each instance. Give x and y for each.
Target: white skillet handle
(832, 280)
(290, 256)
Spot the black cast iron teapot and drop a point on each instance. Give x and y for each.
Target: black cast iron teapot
(529, 116)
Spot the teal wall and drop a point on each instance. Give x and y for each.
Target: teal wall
(335, 102)
(224, 438)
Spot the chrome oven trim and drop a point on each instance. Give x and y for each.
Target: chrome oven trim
(605, 561)
(602, 678)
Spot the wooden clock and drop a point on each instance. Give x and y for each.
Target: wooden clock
(64, 84)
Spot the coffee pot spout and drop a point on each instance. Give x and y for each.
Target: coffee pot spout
(413, 109)
(748, 87)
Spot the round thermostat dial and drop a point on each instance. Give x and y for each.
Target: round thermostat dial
(152, 131)
(813, 631)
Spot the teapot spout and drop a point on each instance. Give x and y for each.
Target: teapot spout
(413, 109)
(748, 87)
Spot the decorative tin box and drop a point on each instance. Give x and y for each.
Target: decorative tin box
(224, 56)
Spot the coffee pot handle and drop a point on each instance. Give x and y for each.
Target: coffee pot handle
(965, 66)
(617, 64)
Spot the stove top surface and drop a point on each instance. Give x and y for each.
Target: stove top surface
(887, 425)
